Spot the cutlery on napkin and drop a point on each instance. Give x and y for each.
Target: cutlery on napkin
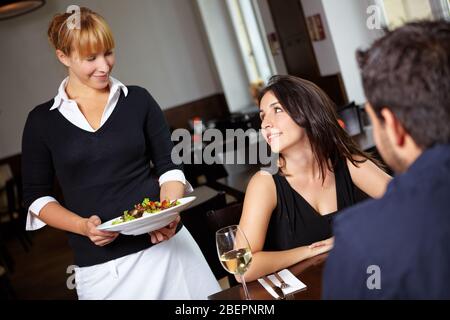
(294, 283)
(278, 291)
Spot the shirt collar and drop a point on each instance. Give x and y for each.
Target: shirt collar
(432, 158)
(61, 96)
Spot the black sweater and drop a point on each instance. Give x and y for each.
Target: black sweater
(103, 172)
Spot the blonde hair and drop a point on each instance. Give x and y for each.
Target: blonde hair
(93, 34)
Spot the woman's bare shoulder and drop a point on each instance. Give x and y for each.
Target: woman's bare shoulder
(261, 187)
(262, 177)
(260, 200)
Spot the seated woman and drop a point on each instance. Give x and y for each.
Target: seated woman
(287, 216)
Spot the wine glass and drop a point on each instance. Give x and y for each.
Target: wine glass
(234, 252)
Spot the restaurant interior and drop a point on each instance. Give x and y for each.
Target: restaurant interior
(205, 62)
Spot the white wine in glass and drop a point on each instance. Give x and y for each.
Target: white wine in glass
(234, 252)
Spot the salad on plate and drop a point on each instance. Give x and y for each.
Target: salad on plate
(145, 208)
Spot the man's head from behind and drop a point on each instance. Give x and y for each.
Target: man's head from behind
(406, 78)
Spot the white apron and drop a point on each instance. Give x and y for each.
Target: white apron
(174, 269)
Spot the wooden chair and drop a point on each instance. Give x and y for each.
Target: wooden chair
(6, 259)
(195, 221)
(224, 217)
(217, 219)
(14, 218)
(6, 290)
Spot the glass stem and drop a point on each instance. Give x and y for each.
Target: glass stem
(244, 284)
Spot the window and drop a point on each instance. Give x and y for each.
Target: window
(399, 12)
(247, 28)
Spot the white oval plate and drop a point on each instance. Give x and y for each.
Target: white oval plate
(148, 223)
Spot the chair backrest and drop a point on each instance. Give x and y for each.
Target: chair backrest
(199, 211)
(194, 218)
(16, 215)
(5, 174)
(217, 219)
(10, 206)
(224, 217)
(195, 221)
(11, 195)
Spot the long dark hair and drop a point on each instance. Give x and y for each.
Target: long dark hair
(314, 111)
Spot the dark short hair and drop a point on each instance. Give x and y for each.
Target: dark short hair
(311, 108)
(408, 72)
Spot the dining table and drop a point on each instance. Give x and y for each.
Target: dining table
(308, 271)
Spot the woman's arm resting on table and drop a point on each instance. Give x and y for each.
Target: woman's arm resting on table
(260, 201)
(59, 217)
(265, 262)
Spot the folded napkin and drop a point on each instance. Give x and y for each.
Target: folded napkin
(294, 283)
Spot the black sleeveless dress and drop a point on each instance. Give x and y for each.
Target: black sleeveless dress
(295, 223)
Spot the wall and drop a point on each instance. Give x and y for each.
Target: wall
(399, 12)
(159, 46)
(324, 49)
(349, 32)
(224, 47)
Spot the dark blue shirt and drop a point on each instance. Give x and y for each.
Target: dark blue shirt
(396, 247)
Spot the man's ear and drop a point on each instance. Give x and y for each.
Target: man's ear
(394, 129)
(63, 58)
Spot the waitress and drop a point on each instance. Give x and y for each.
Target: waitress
(98, 137)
